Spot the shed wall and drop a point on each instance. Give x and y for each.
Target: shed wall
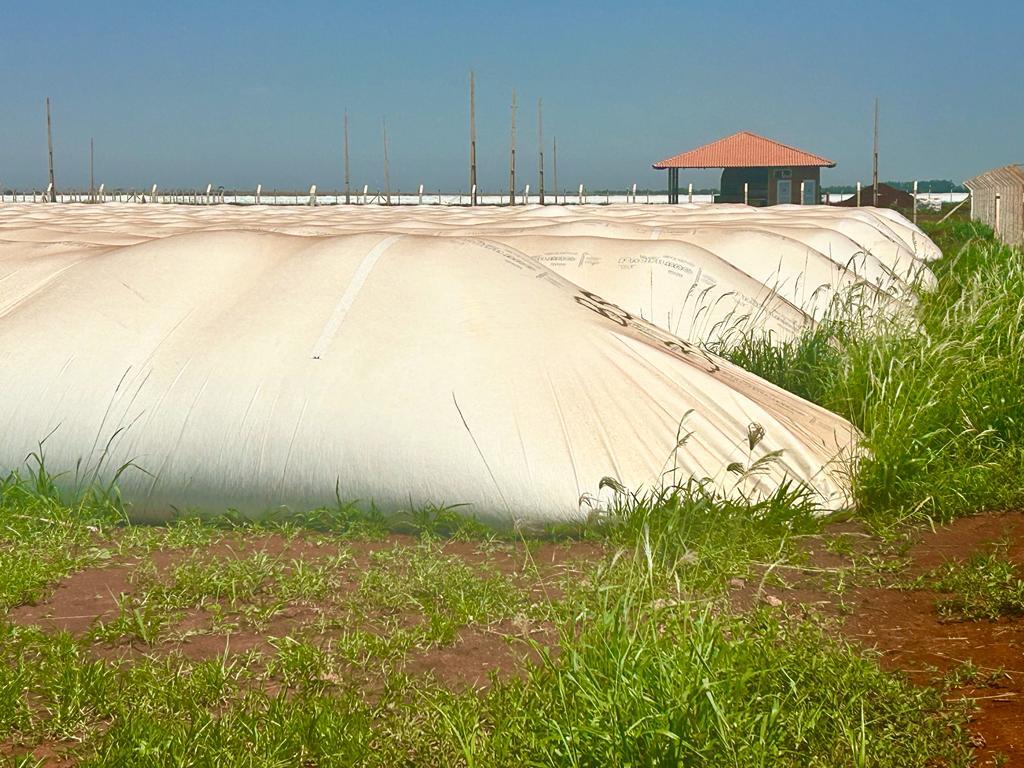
(1010, 188)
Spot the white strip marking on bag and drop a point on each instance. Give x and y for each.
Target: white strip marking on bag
(349, 297)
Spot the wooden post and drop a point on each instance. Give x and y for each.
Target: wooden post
(874, 161)
(540, 148)
(554, 165)
(526, 195)
(998, 217)
(746, 193)
(581, 194)
(472, 140)
(259, 188)
(421, 194)
(209, 187)
(387, 170)
(512, 155)
(101, 192)
(634, 193)
(152, 194)
(915, 202)
(858, 194)
(312, 195)
(803, 191)
(49, 145)
(689, 193)
(347, 188)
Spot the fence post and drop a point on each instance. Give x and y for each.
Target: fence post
(312, 195)
(803, 191)
(581, 194)
(421, 194)
(259, 189)
(858, 194)
(746, 193)
(998, 199)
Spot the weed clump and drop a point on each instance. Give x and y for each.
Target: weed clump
(986, 586)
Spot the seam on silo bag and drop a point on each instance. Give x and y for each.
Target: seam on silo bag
(349, 297)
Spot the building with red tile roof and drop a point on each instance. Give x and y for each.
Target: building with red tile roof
(756, 170)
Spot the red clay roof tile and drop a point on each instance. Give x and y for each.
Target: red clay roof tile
(743, 150)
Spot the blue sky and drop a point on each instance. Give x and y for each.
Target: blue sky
(188, 93)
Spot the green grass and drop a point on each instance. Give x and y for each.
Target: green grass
(943, 429)
(691, 687)
(985, 586)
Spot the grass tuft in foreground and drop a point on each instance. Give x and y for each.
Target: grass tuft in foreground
(986, 586)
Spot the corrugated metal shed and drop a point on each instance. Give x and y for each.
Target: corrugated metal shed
(744, 150)
(997, 199)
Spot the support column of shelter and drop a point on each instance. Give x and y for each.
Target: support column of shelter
(673, 185)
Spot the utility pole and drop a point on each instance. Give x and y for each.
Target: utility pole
(49, 144)
(92, 186)
(387, 170)
(874, 161)
(540, 145)
(554, 164)
(472, 140)
(512, 155)
(347, 188)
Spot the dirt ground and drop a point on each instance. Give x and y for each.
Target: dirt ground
(911, 637)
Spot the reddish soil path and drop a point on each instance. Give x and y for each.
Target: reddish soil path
(905, 628)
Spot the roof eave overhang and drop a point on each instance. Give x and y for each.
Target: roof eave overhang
(665, 164)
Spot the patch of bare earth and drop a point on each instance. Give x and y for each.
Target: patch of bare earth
(90, 596)
(79, 601)
(479, 654)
